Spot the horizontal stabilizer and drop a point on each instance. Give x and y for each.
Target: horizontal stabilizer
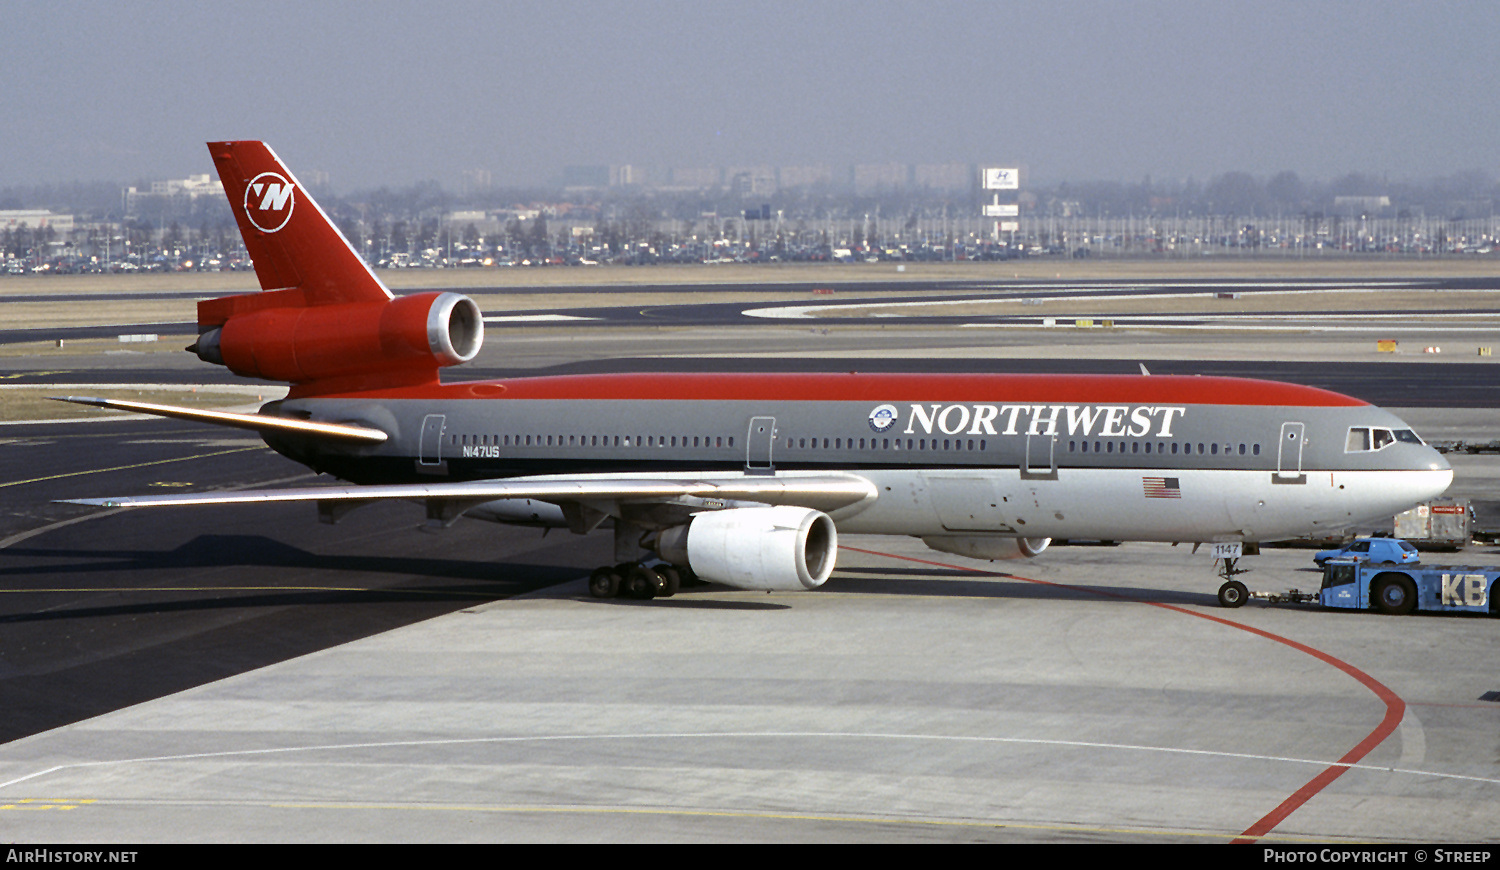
(255, 422)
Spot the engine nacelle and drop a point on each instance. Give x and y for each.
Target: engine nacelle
(987, 546)
(300, 344)
(782, 548)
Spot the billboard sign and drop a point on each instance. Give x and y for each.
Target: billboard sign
(1001, 178)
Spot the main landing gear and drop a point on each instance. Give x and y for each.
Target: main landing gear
(637, 581)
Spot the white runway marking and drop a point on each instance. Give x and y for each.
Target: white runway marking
(1338, 322)
(1413, 739)
(1092, 293)
(721, 735)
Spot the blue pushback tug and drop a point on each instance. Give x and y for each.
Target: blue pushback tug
(1355, 585)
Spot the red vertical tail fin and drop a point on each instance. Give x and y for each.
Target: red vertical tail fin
(293, 243)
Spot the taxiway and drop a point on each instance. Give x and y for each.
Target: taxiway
(246, 674)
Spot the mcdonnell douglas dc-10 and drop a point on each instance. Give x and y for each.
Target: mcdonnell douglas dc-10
(748, 479)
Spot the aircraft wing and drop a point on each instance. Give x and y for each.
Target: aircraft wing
(253, 422)
(821, 492)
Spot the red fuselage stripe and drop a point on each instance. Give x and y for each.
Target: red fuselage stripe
(1131, 389)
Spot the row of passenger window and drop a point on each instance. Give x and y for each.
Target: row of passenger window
(1186, 448)
(591, 440)
(885, 444)
(945, 444)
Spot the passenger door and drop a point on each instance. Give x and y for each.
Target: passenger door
(1289, 454)
(430, 449)
(759, 441)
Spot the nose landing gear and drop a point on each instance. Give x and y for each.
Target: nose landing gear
(1233, 593)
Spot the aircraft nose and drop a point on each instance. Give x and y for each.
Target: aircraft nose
(1440, 473)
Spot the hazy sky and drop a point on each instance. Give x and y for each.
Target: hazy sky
(381, 92)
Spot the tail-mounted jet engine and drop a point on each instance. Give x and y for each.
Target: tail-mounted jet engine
(410, 335)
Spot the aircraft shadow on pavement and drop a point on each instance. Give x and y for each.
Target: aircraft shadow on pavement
(226, 551)
(242, 601)
(988, 583)
(483, 580)
(318, 579)
(687, 599)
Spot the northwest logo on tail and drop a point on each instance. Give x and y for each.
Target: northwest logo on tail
(268, 201)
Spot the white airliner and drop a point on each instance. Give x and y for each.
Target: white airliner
(747, 479)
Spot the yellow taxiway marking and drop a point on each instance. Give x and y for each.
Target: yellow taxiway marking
(45, 804)
(136, 465)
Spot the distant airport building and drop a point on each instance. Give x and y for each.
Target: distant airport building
(477, 181)
(751, 180)
(873, 178)
(943, 176)
(35, 219)
(1361, 204)
(175, 196)
(585, 176)
(696, 177)
(482, 221)
(805, 176)
(628, 176)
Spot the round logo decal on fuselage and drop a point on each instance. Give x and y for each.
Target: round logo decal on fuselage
(883, 418)
(269, 199)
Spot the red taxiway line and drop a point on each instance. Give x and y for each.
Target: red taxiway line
(1395, 708)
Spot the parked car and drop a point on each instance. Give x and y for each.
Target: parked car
(1379, 550)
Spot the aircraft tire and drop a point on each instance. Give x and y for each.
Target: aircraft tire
(1233, 594)
(671, 580)
(604, 582)
(1395, 595)
(640, 583)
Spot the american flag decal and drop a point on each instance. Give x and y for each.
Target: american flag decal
(1161, 487)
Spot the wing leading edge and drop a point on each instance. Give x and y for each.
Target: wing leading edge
(254, 422)
(822, 492)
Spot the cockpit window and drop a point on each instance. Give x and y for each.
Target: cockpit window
(1363, 439)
